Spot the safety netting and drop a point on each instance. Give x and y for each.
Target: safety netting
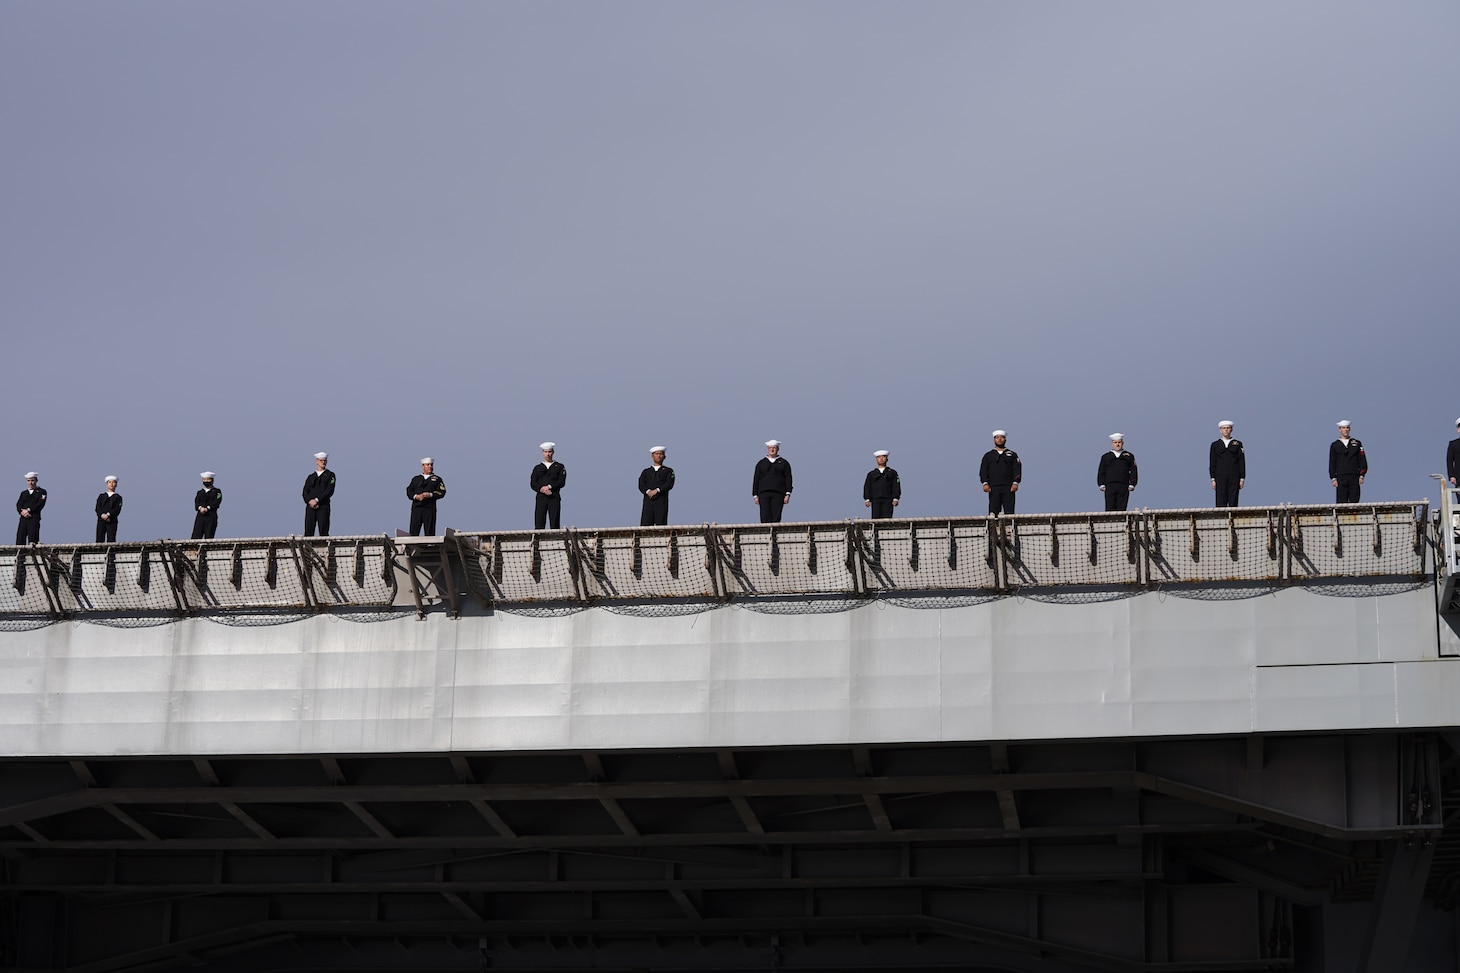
(198, 577)
(1233, 544)
(1073, 558)
(1354, 540)
(1070, 558)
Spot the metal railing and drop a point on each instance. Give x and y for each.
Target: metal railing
(1138, 549)
(1447, 546)
(1133, 551)
(198, 577)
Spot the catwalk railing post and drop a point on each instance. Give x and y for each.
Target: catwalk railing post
(174, 579)
(713, 562)
(46, 581)
(448, 580)
(301, 565)
(856, 560)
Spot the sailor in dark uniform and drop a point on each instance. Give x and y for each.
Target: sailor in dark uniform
(108, 509)
(206, 502)
(1452, 458)
(654, 485)
(424, 490)
(1227, 466)
(319, 486)
(548, 479)
(883, 487)
(770, 488)
(1117, 474)
(1347, 465)
(32, 499)
(1000, 473)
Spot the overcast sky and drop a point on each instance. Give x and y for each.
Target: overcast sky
(232, 234)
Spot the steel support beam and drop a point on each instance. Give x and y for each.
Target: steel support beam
(1397, 901)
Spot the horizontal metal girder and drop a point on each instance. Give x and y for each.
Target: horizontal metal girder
(869, 836)
(355, 795)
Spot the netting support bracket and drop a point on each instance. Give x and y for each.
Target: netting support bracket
(47, 581)
(575, 566)
(856, 558)
(237, 574)
(168, 555)
(1003, 544)
(412, 571)
(715, 563)
(302, 567)
(469, 551)
(1134, 550)
(448, 546)
(1148, 550)
(387, 566)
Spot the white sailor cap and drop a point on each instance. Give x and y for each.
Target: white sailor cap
(1344, 424)
(772, 442)
(206, 474)
(1000, 432)
(110, 479)
(658, 449)
(880, 452)
(32, 475)
(1117, 436)
(321, 455)
(1224, 422)
(427, 459)
(547, 446)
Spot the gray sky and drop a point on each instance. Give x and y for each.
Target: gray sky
(236, 233)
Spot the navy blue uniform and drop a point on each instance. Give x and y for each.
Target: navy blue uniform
(1347, 464)
(771, 485)
(999, 472)
(1227, 466)
(1117, 474)
(656, 508)
(28, 531)
(320, 486)
(549, 509)
(423, 512)
(205, 520)
(882, 486)
(111, 504)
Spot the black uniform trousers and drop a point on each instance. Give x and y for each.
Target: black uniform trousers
(549, 511)
(1117, 496)
(319, 517)
(1348, 489)
(771, 505)
(656, 511)
(28, 531)
(423, 518)
(1001, 498)
(881, 509)
(1227, 489)
(106, 530)
(205, 525)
